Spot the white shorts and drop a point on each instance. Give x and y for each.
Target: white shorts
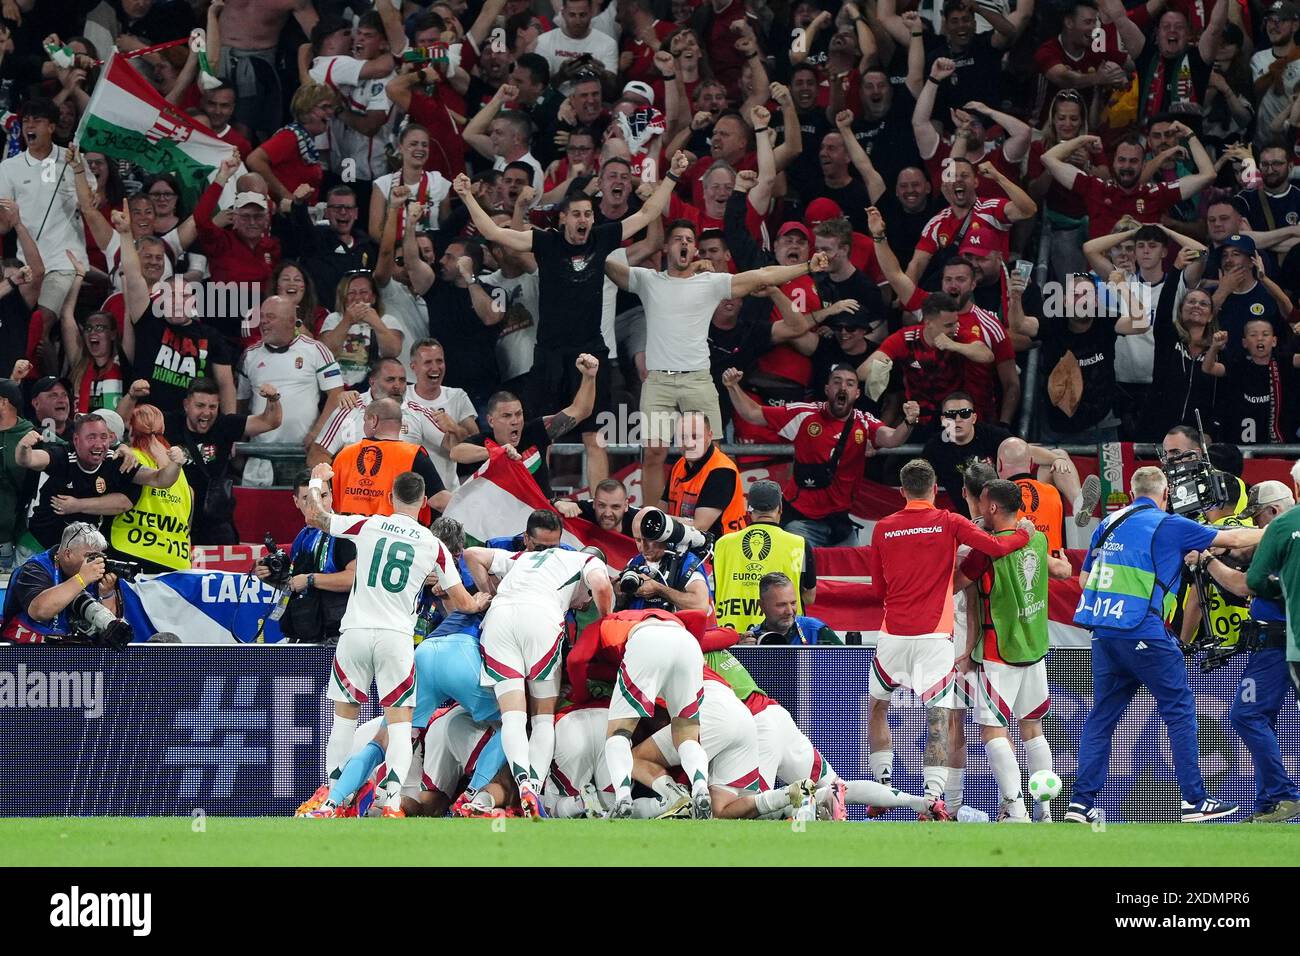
(784, 751)
(580, 750)
(924, 665)
(451, 746)
(729, 738)
(965, 688)
(367, 654)
(1008, 692)
(521, 645)
(662, 661)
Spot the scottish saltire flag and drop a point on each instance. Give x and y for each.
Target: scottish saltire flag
(201, 607)
(127, 118)
(496, 500)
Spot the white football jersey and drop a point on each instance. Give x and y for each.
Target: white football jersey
(395, 553)
(550, 581)
(451, 748)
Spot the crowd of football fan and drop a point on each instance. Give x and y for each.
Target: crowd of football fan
(1106, 190)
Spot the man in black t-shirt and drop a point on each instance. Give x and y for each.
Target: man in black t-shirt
(528, 441)
(843, 280)
(571, 270)
(208, 437)
(468, 343)
(963, 439)
(1259, 391)
(173, 348)
(607, 508)
(909, 205)
(848, 345)
(84, 484)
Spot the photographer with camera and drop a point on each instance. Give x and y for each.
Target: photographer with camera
(66, 594)
(1263, 686)
(670, 577)
(317, 573)
(1132, 569)
(782, 623)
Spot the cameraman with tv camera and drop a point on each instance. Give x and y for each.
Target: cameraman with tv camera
(1264, 682)
(669, 573)
(68, 594)
(316, 575)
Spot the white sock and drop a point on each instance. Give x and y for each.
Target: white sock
(1002, 760)
(868, 793)
(770, 800)
(1076, 504)
(696, 764)
(567, 808)
(956, 788)
(646, 808)
(882, 765)
(666, 787)
(398, 758)
(541, 745)
(936, 778)
(339, 745)
(1038, 754)
(618, 758)
(514, 741)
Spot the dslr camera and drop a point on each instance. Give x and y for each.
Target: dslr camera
(276, 559)
(91, 619)
(673, 535)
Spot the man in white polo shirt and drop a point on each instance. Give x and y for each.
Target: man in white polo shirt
(452, 411)
(679, 305)
(44, 188)
(346, 426)
(301, 368)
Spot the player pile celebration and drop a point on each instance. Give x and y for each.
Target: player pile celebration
(983, 310)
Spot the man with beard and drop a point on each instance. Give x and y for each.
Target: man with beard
(1276, 71)
(1276, 203)
(81, 483)
(830, 452)
(571, 279)
(208, 437)
(975, 325)
(983, 222)
(884, 132)
(607, 508)
(1109, 202)
(679, 304)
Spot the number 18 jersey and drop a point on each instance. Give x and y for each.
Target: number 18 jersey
(395, 553)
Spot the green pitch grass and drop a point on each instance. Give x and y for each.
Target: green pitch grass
(116, 841)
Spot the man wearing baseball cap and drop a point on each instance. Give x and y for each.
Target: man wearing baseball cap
(14, 480)
(1252, 294)
(46, 205)
(1276, 70)
(51, 406)
(1263, 687)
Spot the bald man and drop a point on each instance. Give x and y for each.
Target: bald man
(364, 471)
(1043, 493)
(303, 370)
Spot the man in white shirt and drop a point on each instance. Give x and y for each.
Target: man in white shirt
(346, 425)
(1275, 70)
(301, 368)
(679, 305)
(504, 136)
(576, 37)
(44, 188)
(452, 411)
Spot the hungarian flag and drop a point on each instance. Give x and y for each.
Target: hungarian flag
(127, 118)
(497, 499)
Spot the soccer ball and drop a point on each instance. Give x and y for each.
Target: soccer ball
(1044, 785)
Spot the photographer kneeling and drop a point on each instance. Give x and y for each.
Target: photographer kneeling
(317, 573)
(669, 572)
(66, 595)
